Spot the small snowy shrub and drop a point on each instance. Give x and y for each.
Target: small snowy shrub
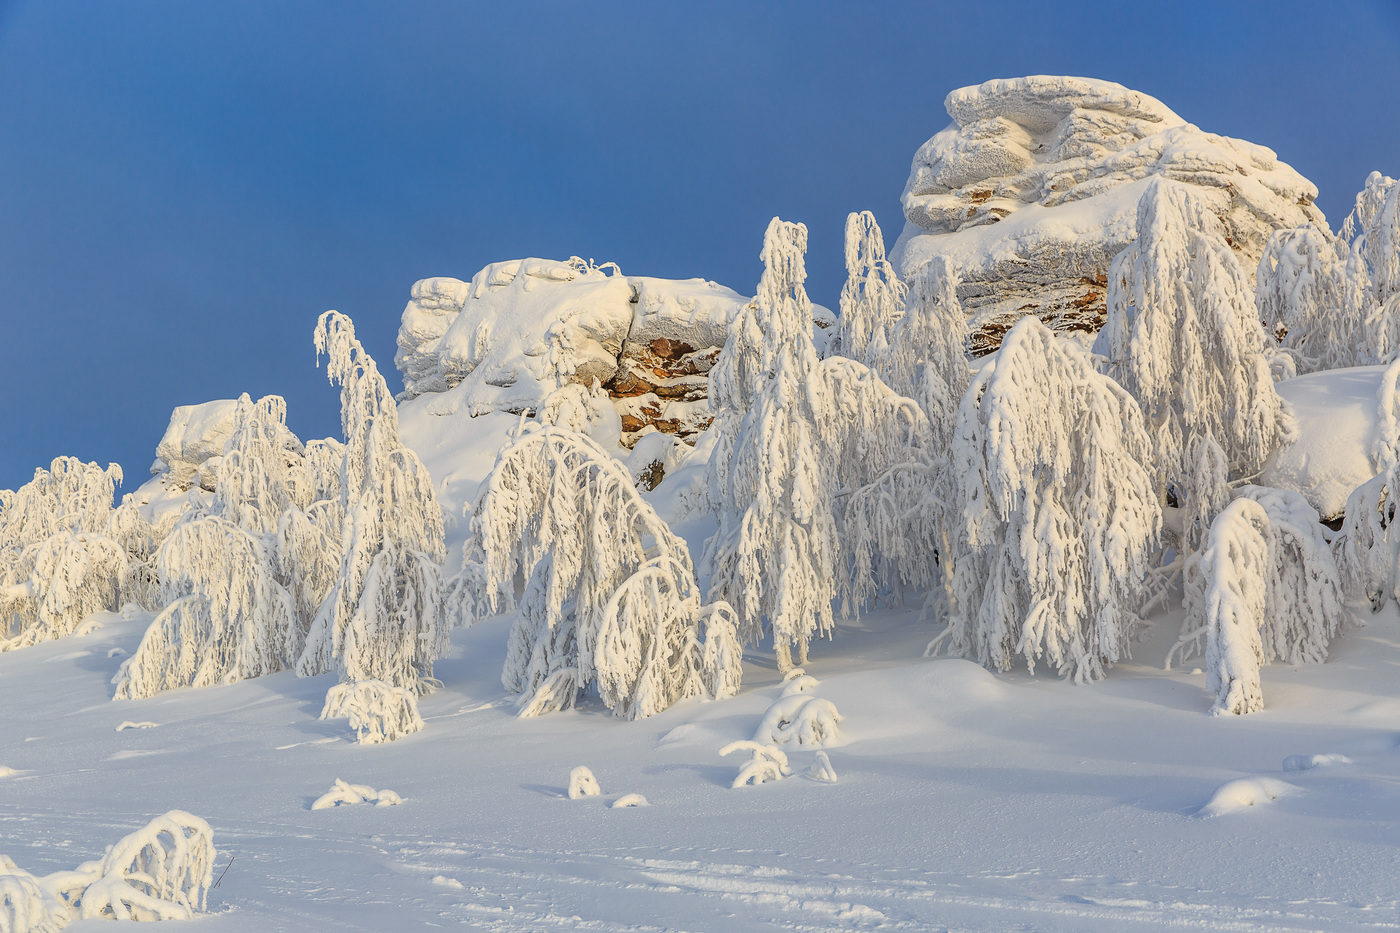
(378, 711)
(765, 764)
(1061, 517)
(800, 719)
(582, 783)
(26, 906)
(822, 770)
(346, 794)
(605, 592)
(160, 872)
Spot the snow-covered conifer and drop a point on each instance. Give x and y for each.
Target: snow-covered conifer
(872, 298)
(259, 477)
(58, 563)
(71, 576)
(1061, 517)
(609, 597)
(1305, 608)
(1183, 337)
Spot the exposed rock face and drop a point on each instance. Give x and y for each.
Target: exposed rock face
(523, 328)
(1033, 189)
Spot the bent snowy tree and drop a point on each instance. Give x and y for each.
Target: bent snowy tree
(1061, 518)
(1183, 337)
(604, 592)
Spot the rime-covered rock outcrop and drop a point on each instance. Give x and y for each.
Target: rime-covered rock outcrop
(1033, 189)
(523, 328)
(189, 451)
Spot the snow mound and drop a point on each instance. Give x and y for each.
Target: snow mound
(1033, 189)
(1337, 412)
(1244, 792)
(1308, 762)
(344, 794)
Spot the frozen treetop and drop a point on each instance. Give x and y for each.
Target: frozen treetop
(1033, 189)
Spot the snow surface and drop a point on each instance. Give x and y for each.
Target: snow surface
(965, 799)
(1337, 411)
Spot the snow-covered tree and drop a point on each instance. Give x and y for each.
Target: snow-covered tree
(383, 619)
(1183, 337)
(378, 712)
(1236, 568)
(1303, 608)
(604, 592)
(1300, 290)
(775, 553)
(226, 618)
(901, 505)
(58, 563)
(872, 299)
(1368, 547)
(260, 475)
(1370, 241)
(1060, 518)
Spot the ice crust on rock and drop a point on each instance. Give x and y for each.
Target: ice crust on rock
(1033, 189)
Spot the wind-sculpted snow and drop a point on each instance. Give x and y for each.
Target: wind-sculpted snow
(1032, 190)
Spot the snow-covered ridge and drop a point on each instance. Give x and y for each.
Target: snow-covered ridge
(1033, 189)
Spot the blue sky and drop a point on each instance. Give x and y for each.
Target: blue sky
(186, 185)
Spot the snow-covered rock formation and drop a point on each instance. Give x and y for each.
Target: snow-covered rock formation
(1033, 189)
(523, 328)
(189, 451)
